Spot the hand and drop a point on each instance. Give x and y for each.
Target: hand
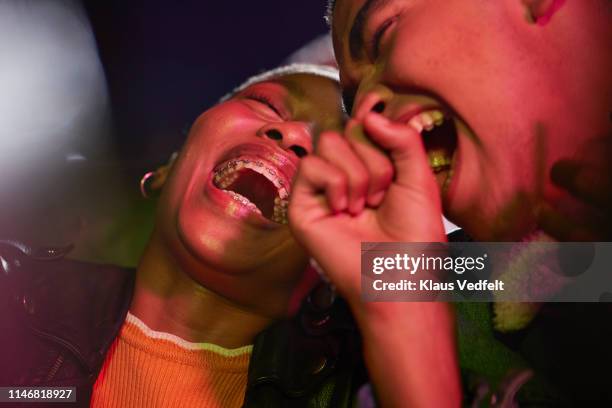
(586, 212)
(351, 191)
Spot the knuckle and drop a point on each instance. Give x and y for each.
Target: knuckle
(360, 179)
(384, 173)
(337, 178)
(308, 164)
(381, 174)
(327, 140)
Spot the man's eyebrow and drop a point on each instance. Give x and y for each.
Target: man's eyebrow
(356, 33)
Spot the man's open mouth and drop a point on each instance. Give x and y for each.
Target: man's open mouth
(255, 184)
(439, 134)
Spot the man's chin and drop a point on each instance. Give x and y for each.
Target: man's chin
(510, 223)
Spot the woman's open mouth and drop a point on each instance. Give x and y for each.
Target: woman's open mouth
(256, 184)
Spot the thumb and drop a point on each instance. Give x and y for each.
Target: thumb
(405, 146)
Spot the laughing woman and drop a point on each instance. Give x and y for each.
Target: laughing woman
(202, 321)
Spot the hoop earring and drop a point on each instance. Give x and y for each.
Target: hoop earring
(144, 184)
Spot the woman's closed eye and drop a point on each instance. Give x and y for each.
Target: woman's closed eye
(267, 103)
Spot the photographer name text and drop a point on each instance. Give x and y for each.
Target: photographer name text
(431, 285)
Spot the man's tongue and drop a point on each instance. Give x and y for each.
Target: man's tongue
(257, 189)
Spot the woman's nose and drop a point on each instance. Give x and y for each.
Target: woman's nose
(294, 136)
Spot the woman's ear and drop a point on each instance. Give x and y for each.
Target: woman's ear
(153, 181)
(540, 12)
(162, 172)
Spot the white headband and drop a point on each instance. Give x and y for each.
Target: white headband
(324, 71)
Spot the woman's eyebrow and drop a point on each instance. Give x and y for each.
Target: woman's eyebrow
(356, 34)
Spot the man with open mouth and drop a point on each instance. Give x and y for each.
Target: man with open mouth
(500, 92)
(512, 101)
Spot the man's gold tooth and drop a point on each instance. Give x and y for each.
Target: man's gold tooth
(437, 161)
(438, 117)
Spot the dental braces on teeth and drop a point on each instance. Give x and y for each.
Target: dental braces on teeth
(229, 172)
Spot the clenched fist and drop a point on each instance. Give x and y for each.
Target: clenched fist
(358, 188)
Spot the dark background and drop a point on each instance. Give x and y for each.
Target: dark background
(166, 62)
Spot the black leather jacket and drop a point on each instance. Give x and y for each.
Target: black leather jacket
(59, 318)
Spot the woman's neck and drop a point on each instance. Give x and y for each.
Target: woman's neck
(169, 300)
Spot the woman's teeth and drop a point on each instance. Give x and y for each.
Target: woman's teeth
(226, 175)
(280, 210)
(243, 200)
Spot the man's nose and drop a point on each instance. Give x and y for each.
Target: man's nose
(294, 136)
(375, 99)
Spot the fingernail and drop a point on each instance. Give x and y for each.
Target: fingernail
(342, 204)
(358, 205)
(377, 118)
(376, 198)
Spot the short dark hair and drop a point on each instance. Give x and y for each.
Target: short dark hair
(329, 11)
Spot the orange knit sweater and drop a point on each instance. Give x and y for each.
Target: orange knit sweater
(145, 368)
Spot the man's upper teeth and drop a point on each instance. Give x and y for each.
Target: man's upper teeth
(226, 175)
(426, 120)
(438, 159)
